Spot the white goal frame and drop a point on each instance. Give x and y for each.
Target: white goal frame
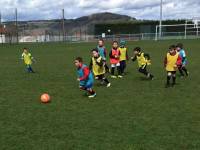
(195, 25)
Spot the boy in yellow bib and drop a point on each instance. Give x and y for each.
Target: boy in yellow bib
(143, 61)
(28, 59)
(171, 63)
(97, 65)
(123, 57)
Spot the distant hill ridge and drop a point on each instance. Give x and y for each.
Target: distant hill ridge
(83, 24)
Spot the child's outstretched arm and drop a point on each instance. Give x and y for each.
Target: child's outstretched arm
(100, 63)
(134, 58)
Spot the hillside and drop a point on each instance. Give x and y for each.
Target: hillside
(83, 24)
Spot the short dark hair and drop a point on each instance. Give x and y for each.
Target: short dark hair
(115, 42)
(25, 48)
(101, 40)
(172, 47)
(179, 45)
(80, 59)
(94, 49)
(138, 49)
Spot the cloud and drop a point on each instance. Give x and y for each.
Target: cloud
(141, 9)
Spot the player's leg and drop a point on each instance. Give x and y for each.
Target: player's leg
(106, 67)
(88, 87)
(143, 70)
(169, 75)
(30, 69)
(173, 78)
(180, 68)
(185, 70)
(113, 70)
(119, 70)
(122, 67)
(106, 80)
(83, 88)
(100, 78)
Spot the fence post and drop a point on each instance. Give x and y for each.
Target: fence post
(185, 30)
(156, 37)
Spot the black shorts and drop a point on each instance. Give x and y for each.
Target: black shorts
(172, 72)
(99, 77)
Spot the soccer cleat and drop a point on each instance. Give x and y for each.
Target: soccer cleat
(108, 85)
(114, 77)
(92, 96)
(152, 77)
(119, 76)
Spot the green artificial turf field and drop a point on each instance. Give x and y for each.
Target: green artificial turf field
(133, 114)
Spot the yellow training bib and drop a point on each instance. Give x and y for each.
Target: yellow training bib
(171, 62)
(97, 70)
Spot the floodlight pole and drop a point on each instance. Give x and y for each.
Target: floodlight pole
(185, 30)
(0, 18)
(16, 23)
(161, 16)
(63, 24)
(197, 26)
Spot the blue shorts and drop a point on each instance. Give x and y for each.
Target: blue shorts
(87, 84)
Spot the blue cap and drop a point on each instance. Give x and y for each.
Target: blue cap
(122, 43)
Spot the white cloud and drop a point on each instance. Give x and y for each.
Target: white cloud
(141, 9)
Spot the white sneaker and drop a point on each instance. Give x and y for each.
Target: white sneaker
(119, 76)
(114, 77)
(108, 85)
(92, 96)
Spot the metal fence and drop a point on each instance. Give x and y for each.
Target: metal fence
(6, 38)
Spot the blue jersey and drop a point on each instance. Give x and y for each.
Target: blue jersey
(102, 52)
(183, 56)
(88, 83)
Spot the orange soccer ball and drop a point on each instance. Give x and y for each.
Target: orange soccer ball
(45, 98)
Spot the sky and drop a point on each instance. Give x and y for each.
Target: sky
(140, 9)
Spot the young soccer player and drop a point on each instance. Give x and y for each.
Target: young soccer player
(171, 63)
(97, 65)
(124, 56)
(182, 54)
(102, 52)
(27, 57)
(85, 77)
(114, 60)
(143, 61)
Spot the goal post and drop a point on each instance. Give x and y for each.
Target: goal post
(179, 31)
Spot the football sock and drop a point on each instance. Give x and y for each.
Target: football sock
(112, 71)
(119, 70)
